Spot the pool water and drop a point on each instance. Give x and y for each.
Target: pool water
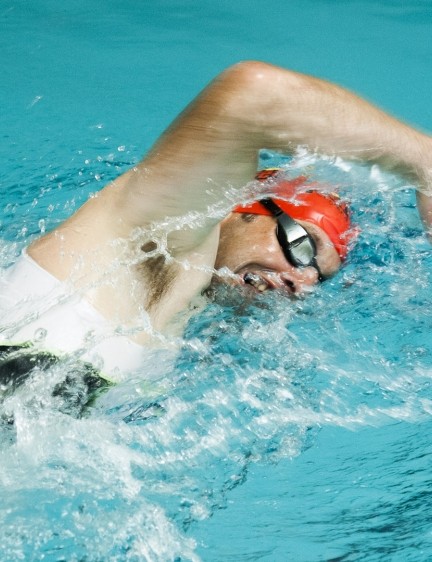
(276, 430)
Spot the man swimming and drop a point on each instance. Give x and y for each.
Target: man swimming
(111, 265)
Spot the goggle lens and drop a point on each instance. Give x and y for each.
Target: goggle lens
(295, 241)
(297, 245)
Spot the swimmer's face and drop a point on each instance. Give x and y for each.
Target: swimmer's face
(250, 250)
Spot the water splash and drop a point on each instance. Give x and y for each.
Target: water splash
(253, 382)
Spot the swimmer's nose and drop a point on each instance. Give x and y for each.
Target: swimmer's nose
(299, 279)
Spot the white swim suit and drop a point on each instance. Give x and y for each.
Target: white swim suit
(36, 307)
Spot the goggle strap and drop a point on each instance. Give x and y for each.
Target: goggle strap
(272, 207)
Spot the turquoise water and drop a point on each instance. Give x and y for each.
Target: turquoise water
(279, 431)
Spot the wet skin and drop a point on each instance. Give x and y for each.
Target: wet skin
(249, 249)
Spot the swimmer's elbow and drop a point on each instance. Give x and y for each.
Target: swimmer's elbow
(256, 92)
(257, 76)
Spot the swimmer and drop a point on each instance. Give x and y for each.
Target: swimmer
(211, 146)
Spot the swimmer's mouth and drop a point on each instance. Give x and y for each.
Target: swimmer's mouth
(262, 284)
(256, 281)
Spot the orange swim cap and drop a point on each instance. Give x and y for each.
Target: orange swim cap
(326, 211)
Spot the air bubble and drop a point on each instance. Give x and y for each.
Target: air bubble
(40, 335)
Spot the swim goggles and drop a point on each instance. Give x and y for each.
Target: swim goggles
(325, 210)
(298, 246)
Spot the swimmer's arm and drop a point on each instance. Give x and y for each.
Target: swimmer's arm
(213, 144)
